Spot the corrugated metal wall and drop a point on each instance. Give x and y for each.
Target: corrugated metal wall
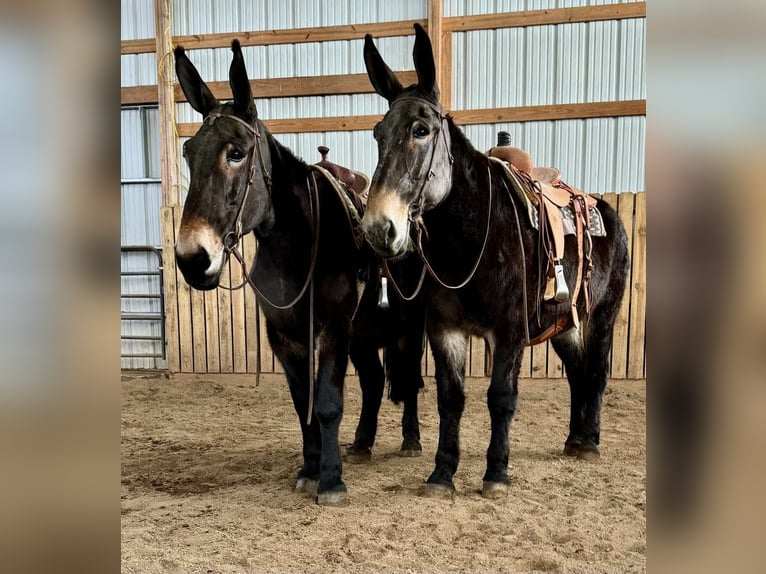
(567, 63)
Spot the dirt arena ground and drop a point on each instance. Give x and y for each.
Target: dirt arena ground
(209, 462)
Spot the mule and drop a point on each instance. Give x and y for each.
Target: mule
(243, 180)
(429, 172)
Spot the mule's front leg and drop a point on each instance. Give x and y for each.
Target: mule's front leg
(449, 348)
(502, 396)
(293, 355)
(328, 409)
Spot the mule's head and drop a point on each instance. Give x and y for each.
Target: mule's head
(414, 159)
(223, 156)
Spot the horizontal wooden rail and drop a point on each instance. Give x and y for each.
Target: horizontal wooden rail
(284, 36)
(545, 17)
(333, 85)
(398, 28)
(550, 112)
(462, 117)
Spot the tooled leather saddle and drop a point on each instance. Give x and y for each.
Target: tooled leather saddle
(556, 209)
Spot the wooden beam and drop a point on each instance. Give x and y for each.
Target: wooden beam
(143, 46)
(333, 85)
(462, 117)
(526, 18)
(299, 35)
(304, 125)
(166, 105)
(399, 28)
(550, 112)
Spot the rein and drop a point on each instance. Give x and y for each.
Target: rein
(232, 238)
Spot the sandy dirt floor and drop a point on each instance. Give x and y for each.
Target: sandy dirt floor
(209, 465)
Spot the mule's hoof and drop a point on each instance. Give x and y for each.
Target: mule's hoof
(438, 490)
(411, 450)
(590, 454)
(571, 449)
(494, 489)
(307, 485)
(333, 498)
(358, 454)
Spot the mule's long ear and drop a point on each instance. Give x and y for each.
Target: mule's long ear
(240, 85)
(423, 56)
(381, 77)
(199, 95)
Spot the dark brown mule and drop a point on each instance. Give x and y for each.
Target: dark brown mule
(243, 181)
(427, 168)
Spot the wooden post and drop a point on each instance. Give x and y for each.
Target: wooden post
(435, 11)
(166, 103)
(169, 176)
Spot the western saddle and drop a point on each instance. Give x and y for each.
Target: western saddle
(544, 189)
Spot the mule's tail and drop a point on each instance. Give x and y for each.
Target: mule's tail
(403, 373)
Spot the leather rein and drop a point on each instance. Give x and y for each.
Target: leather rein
(232, 238)
(417, 208)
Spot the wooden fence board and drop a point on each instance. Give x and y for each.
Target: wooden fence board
(186, 340)
(251, 316)
(224, 321)
(477, 363)
(539, 361)
(198, 330)
(638, 293)
(623, 204)
(169, 280)
(211, 331)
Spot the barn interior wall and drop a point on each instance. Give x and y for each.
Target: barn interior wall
(565, 63)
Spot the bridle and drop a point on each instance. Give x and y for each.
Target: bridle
(232, 238)
(417, 207)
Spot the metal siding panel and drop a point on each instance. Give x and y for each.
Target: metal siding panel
(132, 164)
(570, 63)
(602, 61)
(147, 69)
(152, 140)
(224, 16)
(128, 70)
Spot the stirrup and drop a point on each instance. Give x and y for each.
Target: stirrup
(562, 291)
(383, 294)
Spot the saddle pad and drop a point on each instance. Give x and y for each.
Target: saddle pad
(353, 212)
(597, 228)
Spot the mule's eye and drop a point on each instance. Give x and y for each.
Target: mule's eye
(234, 156)
(419, 131)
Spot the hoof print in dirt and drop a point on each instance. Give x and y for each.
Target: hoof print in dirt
(437, 490)
(494, 489)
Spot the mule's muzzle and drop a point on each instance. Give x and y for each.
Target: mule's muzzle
(194, 267)
(384, 236)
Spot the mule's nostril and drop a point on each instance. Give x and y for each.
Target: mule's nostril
(390, 231)
(196, 262)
